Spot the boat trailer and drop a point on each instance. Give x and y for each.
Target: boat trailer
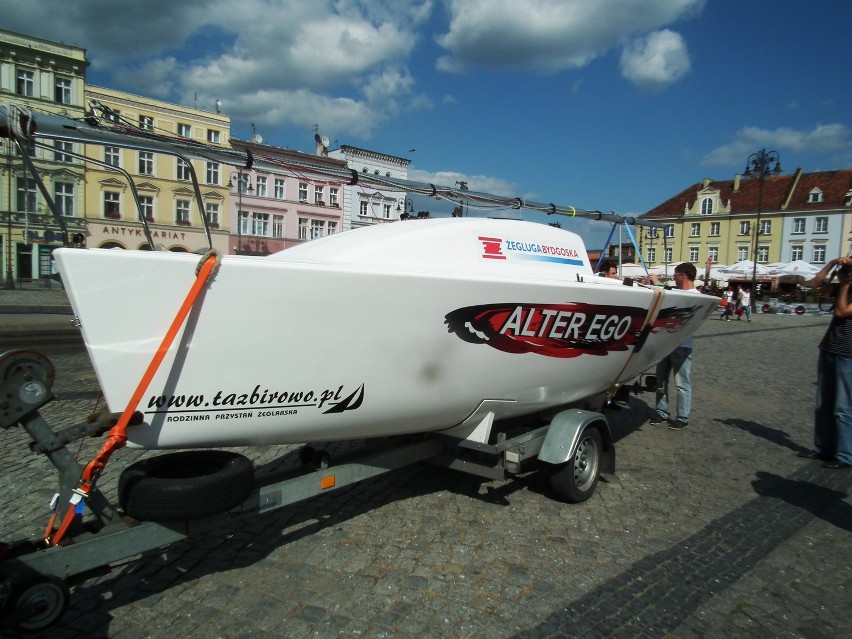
(574, 446)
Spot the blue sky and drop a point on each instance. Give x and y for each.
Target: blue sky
(611, 105)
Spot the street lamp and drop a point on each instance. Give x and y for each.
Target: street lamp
(404, 208)
(757, 165)
(242, 182)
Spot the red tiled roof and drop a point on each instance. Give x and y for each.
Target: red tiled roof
(835, 186)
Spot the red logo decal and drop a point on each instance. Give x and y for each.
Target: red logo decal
(492, 248)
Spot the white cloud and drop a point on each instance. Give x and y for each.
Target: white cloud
(655, 61)
(549, 35)
(482, 183)
(833, 139)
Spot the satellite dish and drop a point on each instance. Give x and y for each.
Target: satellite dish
(256, 138)
(324, 141)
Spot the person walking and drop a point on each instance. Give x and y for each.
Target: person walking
(744, 302)
(728, 307)
(833, 410)
(678, 364)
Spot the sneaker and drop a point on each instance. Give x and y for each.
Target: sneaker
(658, 421)
(678, 425)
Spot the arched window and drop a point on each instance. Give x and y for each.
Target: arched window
(707, 206)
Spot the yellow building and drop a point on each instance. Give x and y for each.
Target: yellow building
(166, 193)
(46, 77)
(779, 218)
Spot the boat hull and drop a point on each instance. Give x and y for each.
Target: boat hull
(297, 347)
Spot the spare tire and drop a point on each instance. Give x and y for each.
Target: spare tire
(185, 485)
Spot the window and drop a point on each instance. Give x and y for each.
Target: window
(243, 222)
(667, 254)
(26, 195)
(261, 186)
(815, 196)
(277, 225)
(61, 150)
(694, 231)
(316, 229)
(318, 195)
(386, 210)
(745, 228)
(279, 189)
(713, 254)
(243, 183)
(819, 254)
(742, 253)
(26, 83)
(707, 206)
(146, 163)
(714, 229)
(765, 227)
(112, 205)
(184, 130)
(331, 228)
(693, 253)
(303, 228)
(212, 209)
(182, 212)
(112, 155)
(363, 209)
(652, 233)
(146, 207)
(63, 195)
(797, 252)
(669, 230)
(183, 170)
(62, 90)
(212, 173)
(333, 199)
(212, 136)
(652, 254)
(821, 225)
(112, 115)
(798, 225)
(146, 123)
(762, 254)
(303, 192)
(260, 224)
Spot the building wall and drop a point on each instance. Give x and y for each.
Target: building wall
(174, 216)
(47, 77)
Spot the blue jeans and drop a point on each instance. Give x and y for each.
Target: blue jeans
(679, 363)
(833, 413)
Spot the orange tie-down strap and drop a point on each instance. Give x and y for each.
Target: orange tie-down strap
(117, 437)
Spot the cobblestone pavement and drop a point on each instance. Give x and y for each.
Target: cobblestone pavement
(718, 530)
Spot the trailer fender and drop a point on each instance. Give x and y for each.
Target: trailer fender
(564, 433)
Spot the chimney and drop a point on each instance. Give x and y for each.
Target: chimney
(706, 182)
(736, 182)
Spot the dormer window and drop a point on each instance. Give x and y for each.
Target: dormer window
(815, 196)
(707, 206)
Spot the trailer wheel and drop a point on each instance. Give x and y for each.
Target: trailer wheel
(575, 480)
(37, 604)
(185, 485)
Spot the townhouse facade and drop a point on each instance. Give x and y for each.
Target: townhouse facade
(364, 205)
(45, 77)
(167, 197)
(276, 209)
(780, 218)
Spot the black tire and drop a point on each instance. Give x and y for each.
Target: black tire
(800, 310)
(575, 481)
(42, 601)
(185, 485)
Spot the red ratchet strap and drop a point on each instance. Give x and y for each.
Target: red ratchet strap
(118, 434)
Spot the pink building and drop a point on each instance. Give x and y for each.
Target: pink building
(282, 208)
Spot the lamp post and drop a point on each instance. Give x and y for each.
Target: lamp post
(404, 208)
(242, 183)
(757, 164)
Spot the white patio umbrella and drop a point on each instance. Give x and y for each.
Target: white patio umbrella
(632, 270)
(746, 267)
(798, 267)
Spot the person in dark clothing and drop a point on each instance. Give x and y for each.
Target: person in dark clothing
(833, 412)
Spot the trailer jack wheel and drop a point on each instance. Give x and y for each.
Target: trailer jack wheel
(575, 480)
(36, 604)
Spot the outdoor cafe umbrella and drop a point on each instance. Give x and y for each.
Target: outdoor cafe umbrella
(746, 267)
(798, 267)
